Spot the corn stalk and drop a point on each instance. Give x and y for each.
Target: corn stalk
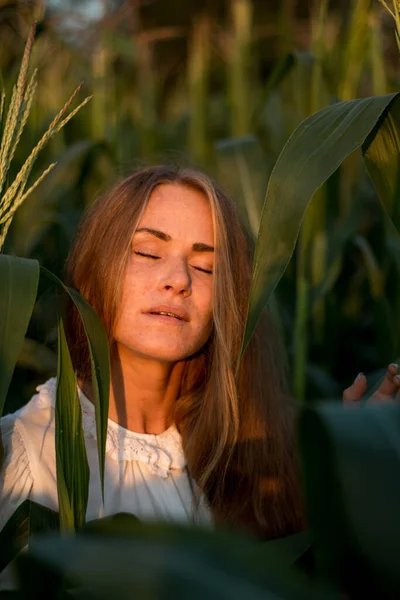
(312, 249)
(240, 71)
(198, 79)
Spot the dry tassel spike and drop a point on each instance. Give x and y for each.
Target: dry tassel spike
(15, 121)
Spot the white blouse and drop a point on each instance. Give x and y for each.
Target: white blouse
(144, 474)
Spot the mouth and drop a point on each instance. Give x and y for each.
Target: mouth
(166, 314)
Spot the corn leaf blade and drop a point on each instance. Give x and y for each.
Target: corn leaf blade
(19, 281)
(190, 563)
(314, 151)
(353, 494)
(381, 152)
(71, 461)
(100, 363)
(29, 518)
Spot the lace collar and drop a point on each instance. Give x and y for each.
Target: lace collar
(161, 452)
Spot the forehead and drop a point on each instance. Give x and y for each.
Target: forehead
(180, 211)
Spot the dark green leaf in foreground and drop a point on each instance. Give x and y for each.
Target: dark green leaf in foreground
(100, 362)
(18, 287)
(125, 524)
(290, 548)
(162, 561)
(286, 550)
(30, 518)
(71, 461)
(314, 151)
(351, 463)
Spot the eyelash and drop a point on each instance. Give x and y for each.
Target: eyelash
(157, 257)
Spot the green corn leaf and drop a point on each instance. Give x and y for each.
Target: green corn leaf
(350, 458)
(161, 560)
(29, 519)
(71, 461)
(290, 548)
(124, 524)
(19, 280)
(315, 150)
(100, 363)
(381, 152)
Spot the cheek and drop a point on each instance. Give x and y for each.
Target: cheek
(206, 309)
(133, 290)
(207, 300)
(136, 283)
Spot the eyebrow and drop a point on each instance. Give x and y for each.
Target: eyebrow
(165, 237)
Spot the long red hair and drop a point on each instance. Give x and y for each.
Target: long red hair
(237, 429)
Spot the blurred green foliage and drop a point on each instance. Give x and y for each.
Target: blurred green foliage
(336, 304)
(171, 82)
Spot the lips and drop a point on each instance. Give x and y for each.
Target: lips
(168, 310)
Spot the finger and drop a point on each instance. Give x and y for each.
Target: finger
(356, 390)
(393, 369)
(389, 386)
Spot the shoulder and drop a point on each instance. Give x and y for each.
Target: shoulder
(33, 424)
(36, 413)
(29, 468)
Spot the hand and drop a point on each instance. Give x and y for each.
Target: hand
(388, 390)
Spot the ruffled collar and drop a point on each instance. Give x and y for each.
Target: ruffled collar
(161, 452)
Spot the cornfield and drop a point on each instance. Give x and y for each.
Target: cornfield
(298, 117)
(199, 94)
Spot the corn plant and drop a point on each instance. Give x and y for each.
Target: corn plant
(313, 152)
(395, 13)
(240, 72)
(198, 79)
(20, 279)
(17, 116)
(309, 149)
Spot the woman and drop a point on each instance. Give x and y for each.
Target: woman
(164, 261)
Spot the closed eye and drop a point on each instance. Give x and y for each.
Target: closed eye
(147, 255)
(157, 257)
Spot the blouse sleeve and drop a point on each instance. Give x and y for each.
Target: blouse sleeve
(15, 475)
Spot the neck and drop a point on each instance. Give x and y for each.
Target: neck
(143, 392)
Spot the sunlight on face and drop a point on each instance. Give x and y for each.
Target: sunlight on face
(166, 305)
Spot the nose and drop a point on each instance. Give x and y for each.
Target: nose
(176, 278)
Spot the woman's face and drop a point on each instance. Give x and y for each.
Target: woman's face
(166, 304)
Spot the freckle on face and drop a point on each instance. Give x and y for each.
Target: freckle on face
(172, 279)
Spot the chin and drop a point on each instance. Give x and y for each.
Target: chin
(165, 350)
(169, 353)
